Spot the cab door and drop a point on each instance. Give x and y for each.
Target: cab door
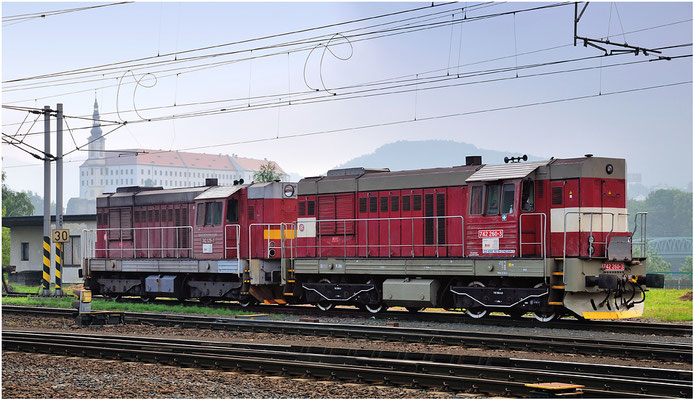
(564, 218)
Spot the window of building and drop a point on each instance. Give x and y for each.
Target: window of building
(25, 251)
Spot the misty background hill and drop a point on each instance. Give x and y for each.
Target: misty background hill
(403, 155)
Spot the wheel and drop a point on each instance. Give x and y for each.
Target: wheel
(114, 297)
(206, 301)
(246, 301)
(479, 311)
(375, 308)
(544, 316)
(145, 299)
(325, 305)
(414, 310)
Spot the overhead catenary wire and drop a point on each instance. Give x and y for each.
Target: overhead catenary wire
(310, 41)
(15, 19)
(250, 40)
(114, 85)
(402, 86)
(406, 121)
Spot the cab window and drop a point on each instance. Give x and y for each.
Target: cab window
(507, 198)
(528, 196)
(476, 200)
(232, 211)
(200, 217)
(493, 200)
(209, 213)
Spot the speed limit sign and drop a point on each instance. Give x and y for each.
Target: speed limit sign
(61, 235)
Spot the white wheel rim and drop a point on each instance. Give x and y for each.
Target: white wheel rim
(373, 309)
(325, 306)
(471, 313)
(543, 317)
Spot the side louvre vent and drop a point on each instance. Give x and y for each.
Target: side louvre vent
(441, 211)
(540, 190)
(362, 205)
(557, 195)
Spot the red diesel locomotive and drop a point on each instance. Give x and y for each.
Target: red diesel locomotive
(546, 237)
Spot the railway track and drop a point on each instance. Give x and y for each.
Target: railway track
(546, 344)
(484, 375)
(632, 327)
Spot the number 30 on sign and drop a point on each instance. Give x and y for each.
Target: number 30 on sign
(61, 235)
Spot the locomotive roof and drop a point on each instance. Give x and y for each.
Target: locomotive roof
(495, 172)
(219, 192)
(362, 179)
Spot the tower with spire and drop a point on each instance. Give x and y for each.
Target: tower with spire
(96, 141)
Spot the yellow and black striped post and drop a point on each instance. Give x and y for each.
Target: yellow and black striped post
(45, 282)
(58, 269)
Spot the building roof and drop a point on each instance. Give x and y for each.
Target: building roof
(181, 159)
(37, 220)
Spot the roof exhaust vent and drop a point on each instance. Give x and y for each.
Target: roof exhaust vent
(211, 182)
(473, 160)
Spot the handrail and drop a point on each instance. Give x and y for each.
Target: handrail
(268, 247)
(591, 213)
(643, 242)
(134, 249)
(389, 245)
(238, 243)
(543, 238)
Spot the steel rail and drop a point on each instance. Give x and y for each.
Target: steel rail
(374, 364)
(631, 327)
(547, 344)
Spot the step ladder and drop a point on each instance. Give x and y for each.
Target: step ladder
(289, 287)
(556, 283)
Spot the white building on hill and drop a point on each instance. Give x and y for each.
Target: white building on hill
(105, 170)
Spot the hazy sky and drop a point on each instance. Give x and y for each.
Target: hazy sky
(652, 129)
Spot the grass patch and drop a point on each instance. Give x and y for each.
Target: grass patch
(666, 305)
(66, 302)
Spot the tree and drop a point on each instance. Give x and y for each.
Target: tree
(687, 267)
(37, 202)
(267, 173)
(654, 263)
(669, 212)
(15, 204)
(5, 242)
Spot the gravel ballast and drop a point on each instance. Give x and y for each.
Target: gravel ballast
(29, 375)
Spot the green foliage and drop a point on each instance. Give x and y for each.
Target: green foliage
(669, 213)
(268, 173)
(66, 302)
(37, 202)
(15, 204)
(687, 267)
(5, 242)
(654, 263)
(149, 182)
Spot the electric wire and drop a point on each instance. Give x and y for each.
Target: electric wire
(311, 41)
